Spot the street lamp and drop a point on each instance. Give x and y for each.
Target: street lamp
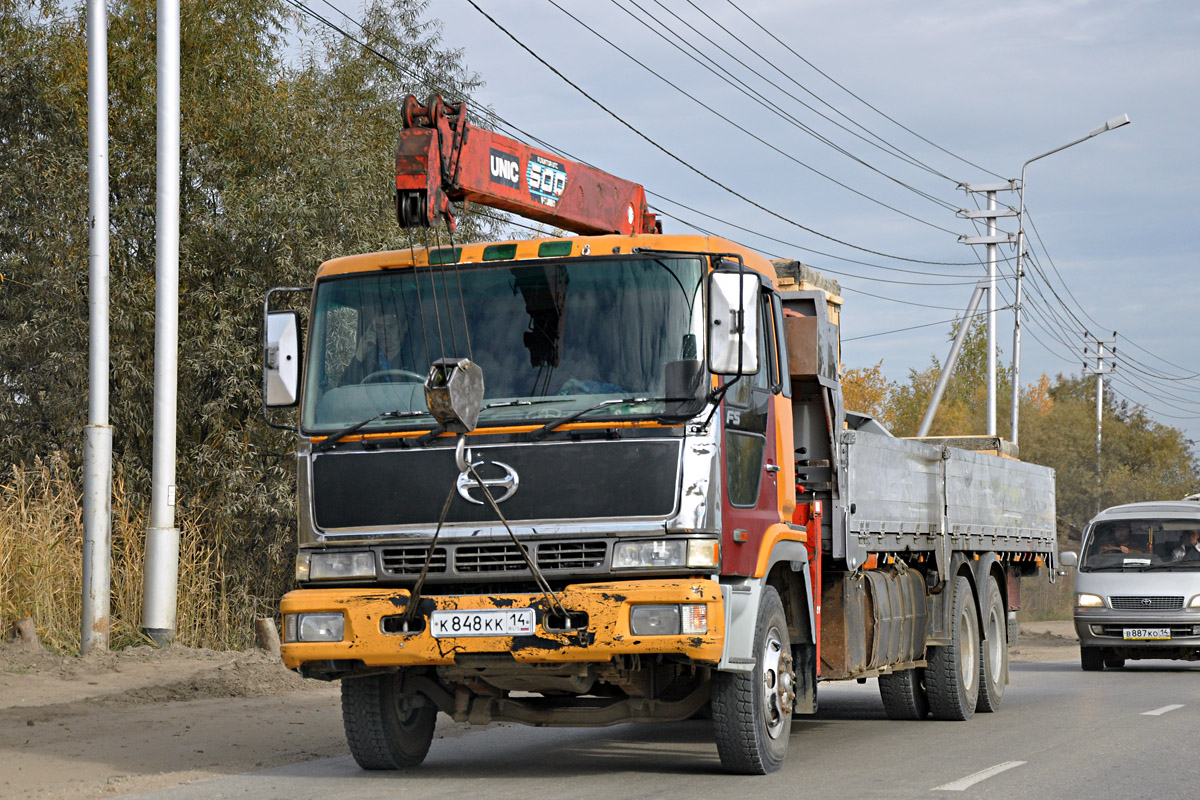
(1115, 122)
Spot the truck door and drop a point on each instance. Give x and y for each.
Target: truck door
(750, 501)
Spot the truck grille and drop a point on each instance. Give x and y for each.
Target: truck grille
(495, 558)
(410, 560)
(488, 558)
(1146, 603)
(571, 555)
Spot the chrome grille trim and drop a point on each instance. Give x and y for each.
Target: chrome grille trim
(1146, 603)
(571, 555)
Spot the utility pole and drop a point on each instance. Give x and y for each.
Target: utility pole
(991, 240)
(161, 582)
(95, 610)
(1105, 363)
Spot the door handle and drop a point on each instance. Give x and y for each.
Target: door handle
(772, 468)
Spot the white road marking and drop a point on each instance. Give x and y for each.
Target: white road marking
(1158, 712)
(965, 783)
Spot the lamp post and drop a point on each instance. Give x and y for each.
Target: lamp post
(1116, 122)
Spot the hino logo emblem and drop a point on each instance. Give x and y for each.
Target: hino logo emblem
(466, 482)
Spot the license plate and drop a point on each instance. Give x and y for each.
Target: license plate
(490, 622)
(1147, 633)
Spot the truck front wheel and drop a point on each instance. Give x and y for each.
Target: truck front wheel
(752, 711)
(952, 676)
(386, 726)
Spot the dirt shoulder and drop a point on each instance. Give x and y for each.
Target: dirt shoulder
(144, 719)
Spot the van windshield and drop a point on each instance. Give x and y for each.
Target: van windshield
(1140, 544)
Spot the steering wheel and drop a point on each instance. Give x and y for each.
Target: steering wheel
(391, 375)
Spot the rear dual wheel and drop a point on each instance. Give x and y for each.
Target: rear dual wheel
(993, 667)
(952, 674)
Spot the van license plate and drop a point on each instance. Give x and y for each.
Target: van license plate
(1147, 633)
(490, 622)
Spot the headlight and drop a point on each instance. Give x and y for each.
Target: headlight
(648, 554)
(334, 565)
(643, 555)
(669, 620)
(1195, 602)
(1084, 600)
(327, 627)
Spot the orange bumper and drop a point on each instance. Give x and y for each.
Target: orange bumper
(607, 634)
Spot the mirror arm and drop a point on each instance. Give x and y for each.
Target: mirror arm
(716, 396)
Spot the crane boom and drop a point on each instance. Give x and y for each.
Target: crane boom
(442, 160)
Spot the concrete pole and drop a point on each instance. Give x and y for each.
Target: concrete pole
(1016, 357)
(948, 367)
(991, 319)
(97, 440)
(162, 537)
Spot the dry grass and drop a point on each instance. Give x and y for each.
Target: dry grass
(41, 545)
(1042, 600)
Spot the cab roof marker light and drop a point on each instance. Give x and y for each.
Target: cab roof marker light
(553, 249)
(499, 252)
(445, 255)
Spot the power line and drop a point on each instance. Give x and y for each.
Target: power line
(924, 325)
(735, 125)
(852, 94)
(680, 160)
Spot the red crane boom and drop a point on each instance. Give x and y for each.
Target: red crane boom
(442, 160)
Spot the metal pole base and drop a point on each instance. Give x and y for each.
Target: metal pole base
(162, 637)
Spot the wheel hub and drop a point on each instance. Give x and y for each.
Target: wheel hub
(779, 682)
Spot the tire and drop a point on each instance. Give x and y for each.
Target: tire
(952, 677)
(1114, 662)
(386, 727)
(993, 667)
(752, 711)
(904, 695)
(1091, 659)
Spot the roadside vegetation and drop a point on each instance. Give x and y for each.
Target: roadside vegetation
(287, 145)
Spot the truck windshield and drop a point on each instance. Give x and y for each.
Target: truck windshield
(1141, 544)
(552, 337)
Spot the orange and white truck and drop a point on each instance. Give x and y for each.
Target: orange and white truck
(647, 502)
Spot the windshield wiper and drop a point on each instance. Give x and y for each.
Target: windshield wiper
(541, 432)
(512, 403)
(334, 438)
(1174, 564)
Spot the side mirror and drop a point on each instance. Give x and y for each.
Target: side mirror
(1068, 558)
(281, 359)
(733, 323)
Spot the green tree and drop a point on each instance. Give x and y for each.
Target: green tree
(284, 164)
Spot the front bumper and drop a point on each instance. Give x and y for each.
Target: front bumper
(1105, 628)
(607, 633)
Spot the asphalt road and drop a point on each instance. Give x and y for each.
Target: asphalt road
(1062, 733)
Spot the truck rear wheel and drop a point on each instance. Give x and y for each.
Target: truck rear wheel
(904, 695)
(752, 711)
(386, 727)
(952, 677)
(993, 667)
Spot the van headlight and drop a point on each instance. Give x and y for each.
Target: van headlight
(652, 553)
(1195, 602)
(1085, 600)
(335, 565)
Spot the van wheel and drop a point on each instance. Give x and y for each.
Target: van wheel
(1091, 659)
(1114, 662)
(752, 711)
(993, 667)
(952, 677)
(904, 694)
(386, 727)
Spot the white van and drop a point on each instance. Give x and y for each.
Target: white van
(1137, 587)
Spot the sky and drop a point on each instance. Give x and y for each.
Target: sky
(968, 92)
